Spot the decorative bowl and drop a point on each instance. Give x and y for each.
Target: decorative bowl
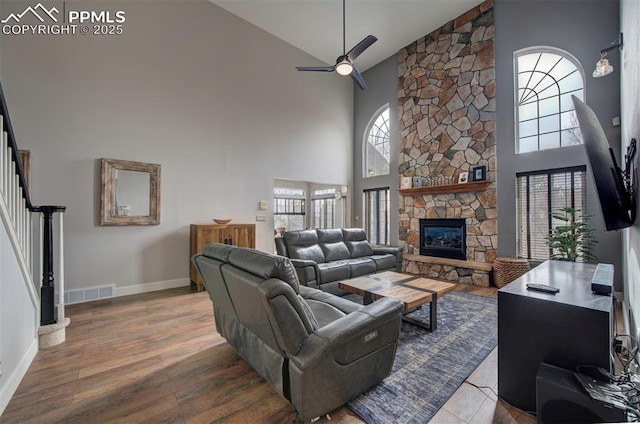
(221, 221)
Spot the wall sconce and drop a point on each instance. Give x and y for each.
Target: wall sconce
(603, 67)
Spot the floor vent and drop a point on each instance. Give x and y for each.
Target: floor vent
(88, 295)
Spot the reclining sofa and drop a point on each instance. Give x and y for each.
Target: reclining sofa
(316, 349)
(323, 257)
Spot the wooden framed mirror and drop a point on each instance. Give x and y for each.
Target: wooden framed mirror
(130, 193)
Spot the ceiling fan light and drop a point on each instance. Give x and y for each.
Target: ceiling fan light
(344, 68)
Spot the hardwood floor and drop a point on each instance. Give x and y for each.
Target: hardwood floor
(150, 358)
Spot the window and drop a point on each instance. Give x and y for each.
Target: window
(324, 208)
(539, 195)
(289, 208)
(324, 213)
(376, 215)
(377, 149)
(546, 79)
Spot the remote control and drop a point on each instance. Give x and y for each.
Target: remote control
(542, 288)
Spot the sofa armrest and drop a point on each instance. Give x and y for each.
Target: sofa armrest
(388, 250)
(353, 336)
(308, 272)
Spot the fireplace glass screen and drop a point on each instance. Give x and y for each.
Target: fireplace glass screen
(444, 238)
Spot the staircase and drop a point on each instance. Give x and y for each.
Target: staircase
(30, 316)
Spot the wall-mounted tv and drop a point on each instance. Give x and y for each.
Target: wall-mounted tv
(615, 195)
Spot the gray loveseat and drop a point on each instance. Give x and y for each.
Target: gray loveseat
(316, 349)
(323, 257)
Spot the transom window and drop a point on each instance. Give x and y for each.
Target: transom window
(546, 79)
(377, 151)
(285, 191)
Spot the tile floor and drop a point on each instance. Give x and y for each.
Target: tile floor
(480, 406)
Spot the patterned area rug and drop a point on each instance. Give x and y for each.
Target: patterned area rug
(429, 367)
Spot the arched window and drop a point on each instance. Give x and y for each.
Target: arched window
(377, 148)
(546, 78)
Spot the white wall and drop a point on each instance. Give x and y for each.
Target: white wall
(382, 80)
(18, 316)
(214, 100)
(630, 93)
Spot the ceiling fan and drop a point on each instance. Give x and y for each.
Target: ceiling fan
(344, 64)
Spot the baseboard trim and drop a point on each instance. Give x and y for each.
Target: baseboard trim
(149, 287)
(6, 393)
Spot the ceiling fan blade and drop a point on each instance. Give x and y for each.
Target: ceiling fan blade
(357, 77)
(361, 46)
(316, 68)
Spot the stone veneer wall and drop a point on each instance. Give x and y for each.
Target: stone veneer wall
(446, 120)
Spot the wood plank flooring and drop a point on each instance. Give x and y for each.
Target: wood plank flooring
(150, 358)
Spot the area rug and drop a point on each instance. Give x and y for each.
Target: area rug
(429, 367)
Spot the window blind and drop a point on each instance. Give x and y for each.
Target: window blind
(539, 195)
(377, 215)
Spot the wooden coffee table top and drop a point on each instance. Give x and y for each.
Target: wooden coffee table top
(412, 290)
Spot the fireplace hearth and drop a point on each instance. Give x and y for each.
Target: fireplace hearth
(445, 238)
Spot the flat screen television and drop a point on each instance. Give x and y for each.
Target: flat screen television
(615, 200)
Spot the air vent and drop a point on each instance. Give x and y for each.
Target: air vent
(88, 294)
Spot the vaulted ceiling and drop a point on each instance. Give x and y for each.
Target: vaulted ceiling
(315, 26)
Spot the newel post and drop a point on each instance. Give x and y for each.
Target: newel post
(47, 290)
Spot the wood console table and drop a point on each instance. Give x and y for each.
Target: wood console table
(241, 235)
(571, 328)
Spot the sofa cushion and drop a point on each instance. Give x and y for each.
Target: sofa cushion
(304, 245)
(217, 251)
(324, 312)
(359, 249)
(356, 241)
(309, 313)
(334, 271)
(265, 266)
(312, 253)
(329, 235)
(314, 295)
(385, 262)
(362, 266)
(332, 244)
(335, 251)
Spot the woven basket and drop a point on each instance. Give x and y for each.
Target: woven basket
(505, 270)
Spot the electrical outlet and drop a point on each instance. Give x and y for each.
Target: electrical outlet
(618, 345)
(261, 217)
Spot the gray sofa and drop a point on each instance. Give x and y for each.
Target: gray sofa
(316, 349)
(323, 257)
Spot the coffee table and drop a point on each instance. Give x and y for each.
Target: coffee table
(413, 290)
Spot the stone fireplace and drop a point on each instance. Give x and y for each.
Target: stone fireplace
(444, 238)
(446, 122)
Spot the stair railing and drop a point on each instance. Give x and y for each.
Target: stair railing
(16, 211)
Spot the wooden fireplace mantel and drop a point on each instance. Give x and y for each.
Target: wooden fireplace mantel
(446, 188)
(480, 266)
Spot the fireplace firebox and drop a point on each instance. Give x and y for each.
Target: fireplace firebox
(445, 238)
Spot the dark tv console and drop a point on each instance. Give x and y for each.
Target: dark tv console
(570, 328)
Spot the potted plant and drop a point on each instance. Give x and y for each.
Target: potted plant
(573, 240)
